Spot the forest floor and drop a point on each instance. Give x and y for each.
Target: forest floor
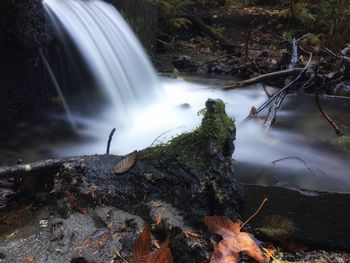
(257, 40)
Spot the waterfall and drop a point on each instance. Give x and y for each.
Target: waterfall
(112, 52)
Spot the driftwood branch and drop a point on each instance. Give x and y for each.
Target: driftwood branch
(271, 116)
(264, 77)
(337, 130)
(41, 166)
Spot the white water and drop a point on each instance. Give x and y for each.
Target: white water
(142, 106)
(111, 50)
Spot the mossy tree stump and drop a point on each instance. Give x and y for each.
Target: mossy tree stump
(193, 172)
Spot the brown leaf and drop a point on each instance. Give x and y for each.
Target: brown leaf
(126, 163)
(253, 113)
(30, 258)
(142, 252)
(159, 218)
(234, 241)
(73, 202)
(143, 246)
(277, 227)
(189, 234)
(163, 254)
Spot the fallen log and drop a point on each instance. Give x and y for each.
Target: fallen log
(320, 218)
(261, 78)
(47, 166)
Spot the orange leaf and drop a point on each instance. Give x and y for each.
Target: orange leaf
(142, 252)
(143, 246)
(234, 241)
(159, 218)
(163, 254)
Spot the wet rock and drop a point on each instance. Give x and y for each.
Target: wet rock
(184, 63)
(162, 46)
(342, 89)
(218, 69)
(346, 51)
(185, 106)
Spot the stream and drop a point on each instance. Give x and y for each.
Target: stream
(300, 150)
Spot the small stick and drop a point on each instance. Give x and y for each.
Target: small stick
(338, 131)
(110, 140)
(256, 212)
(265, 89)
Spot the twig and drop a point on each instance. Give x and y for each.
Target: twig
(302, 37)
(110, 140)
(160, 64)
(295, 158)
(338, 131)
(256, 212)
(163, 133)
(262, 107)
(268, 94)
(330, 52)
(263, 77)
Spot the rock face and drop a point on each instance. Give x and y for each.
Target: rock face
(22, 32)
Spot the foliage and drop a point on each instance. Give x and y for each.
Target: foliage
(299, 10)
(172, 12)
(277, 227)
(143, 253)
(215, 129)
(234, 241)
(327, 17)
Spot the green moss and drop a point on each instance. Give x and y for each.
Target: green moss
(192, 148)
(343, 143)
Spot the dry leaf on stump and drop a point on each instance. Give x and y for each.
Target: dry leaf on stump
(126, 163)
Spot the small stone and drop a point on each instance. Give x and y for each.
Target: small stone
(342, 89)
(44, 223)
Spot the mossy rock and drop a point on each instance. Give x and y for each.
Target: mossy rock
(215, 136)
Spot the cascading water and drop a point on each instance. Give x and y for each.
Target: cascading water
(291, 153)
(115, 57)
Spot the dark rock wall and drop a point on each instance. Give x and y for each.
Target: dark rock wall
(24, 84)
(22, 79)
(142, 15)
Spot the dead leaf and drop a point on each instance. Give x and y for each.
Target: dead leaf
(30, 258)
(142, 246)
(126, 163)
(277, 227)
(253, 113)
(191, 234)
(163, 254)
(234, 241)
(73, 202)
(159, 218)
(142, 251)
